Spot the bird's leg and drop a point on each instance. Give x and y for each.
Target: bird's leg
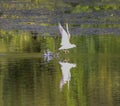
(66, 60)
(66, 51)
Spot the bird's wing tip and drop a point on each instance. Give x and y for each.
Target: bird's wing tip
(59, 24)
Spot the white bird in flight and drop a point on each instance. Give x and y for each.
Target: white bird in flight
(65, 42)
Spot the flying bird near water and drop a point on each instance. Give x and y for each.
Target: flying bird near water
(65, 41)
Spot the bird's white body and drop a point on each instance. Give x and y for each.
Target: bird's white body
(65, 42)
(67, 46)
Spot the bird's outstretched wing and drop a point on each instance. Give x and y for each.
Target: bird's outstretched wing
(64, 34)
(67, 30)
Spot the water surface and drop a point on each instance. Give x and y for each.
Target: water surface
(88, 75)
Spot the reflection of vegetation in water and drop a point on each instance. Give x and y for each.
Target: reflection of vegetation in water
(26, 81)
(16, 41)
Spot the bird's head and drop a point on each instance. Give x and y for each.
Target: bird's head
(73, 45)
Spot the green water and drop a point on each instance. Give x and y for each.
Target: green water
(89, 75)
(27, 78)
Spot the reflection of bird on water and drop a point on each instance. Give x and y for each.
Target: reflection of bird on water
(66, 75)
(65, 42)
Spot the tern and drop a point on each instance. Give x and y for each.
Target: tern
(65, 41)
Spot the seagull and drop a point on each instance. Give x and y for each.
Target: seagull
(66, 75)
(65, 42)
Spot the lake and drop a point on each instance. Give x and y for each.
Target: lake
(89, 75)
